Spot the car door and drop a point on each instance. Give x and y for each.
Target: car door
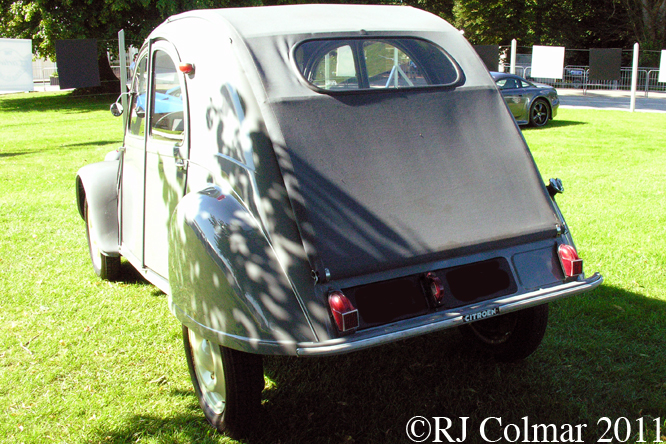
(515, 98)
(132, 177)
(167, 151)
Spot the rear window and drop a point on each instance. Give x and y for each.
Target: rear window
(374, 64)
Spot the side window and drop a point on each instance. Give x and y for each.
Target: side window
(524, 84)
(390, 67)
(166, 122)
(333, 65)
(138, 106)
(507, 83)
(336, 69)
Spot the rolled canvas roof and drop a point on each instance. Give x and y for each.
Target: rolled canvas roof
(379, 180)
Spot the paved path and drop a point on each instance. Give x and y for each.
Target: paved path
(616, 100)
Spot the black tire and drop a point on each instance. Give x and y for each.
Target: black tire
(510, 337)
(539, 113)
(227, 382)
(106, 267)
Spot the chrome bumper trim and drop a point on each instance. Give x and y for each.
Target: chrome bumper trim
(444, 319)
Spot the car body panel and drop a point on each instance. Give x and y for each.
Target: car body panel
(226, 277)
(97, 184)
(276, 193)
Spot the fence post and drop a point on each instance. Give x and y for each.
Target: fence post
(634, 79)
(647, 82)
(514, 47)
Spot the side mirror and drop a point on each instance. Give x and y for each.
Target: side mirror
(116, 109)
(555, 187)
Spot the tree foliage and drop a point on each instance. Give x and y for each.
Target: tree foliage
(570, 23)
(648, 22)
(45, 21)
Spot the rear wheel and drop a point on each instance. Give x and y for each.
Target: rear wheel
(106, 267)
(227, 382)
(539, 113)
(510, 337)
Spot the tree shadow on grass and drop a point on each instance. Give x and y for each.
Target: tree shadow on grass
(92, 143)
(56, 102)
(604, 355)
(189, 427)
(22, 153)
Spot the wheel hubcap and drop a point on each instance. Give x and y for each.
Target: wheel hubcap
(209, 371)
(540, 114)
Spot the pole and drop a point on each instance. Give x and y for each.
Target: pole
(122, 55)
(514, 47)
(634, 79)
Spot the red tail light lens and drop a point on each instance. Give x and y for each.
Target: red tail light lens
(344, 313)
(571, 263)
(186, 68)
(435, 287)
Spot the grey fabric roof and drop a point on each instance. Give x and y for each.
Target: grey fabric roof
(323, 18)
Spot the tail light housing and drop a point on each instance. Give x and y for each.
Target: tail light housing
(186, 68)
(572, 265)
(434, 288)
(344, 313)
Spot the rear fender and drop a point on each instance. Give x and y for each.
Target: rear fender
(226, 281)
(97, 183)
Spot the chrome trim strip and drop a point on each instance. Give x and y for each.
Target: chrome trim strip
(443, 320)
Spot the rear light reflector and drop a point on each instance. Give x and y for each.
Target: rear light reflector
(344, 313)
(434, 287)
(186, 68)
(572, 265)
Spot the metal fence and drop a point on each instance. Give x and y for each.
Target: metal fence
(576, 75)
(42, 70)
(116, 71)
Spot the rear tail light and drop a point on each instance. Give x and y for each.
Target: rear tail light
(186, 68)
(572, 265)
(344, 313)
(434, 287)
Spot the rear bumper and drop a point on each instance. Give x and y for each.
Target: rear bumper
(444, 319)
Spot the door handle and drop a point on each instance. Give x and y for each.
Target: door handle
(180, 162)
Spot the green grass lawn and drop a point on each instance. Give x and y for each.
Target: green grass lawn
(83, 360)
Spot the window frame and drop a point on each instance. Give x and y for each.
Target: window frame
(151, 124)
(135, 93)
(361, 69)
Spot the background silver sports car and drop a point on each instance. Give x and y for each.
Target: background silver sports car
(530, 103)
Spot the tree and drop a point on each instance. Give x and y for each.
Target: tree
(443, 8)
(648, 22)
(488, 22)
(45, 21)
(570, 23)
